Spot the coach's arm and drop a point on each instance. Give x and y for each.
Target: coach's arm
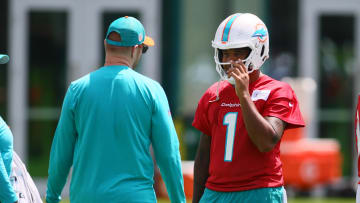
(201, 167)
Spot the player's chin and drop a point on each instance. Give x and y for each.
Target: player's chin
(230, 74)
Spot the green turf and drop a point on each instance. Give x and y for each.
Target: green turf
(322, 200)
(290, 200)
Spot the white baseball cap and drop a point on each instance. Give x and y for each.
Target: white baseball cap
(4, 58)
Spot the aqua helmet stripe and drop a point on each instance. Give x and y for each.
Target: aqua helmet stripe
(227, 28)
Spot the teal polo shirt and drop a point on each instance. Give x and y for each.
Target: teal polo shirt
(7, 193)
(108, 121)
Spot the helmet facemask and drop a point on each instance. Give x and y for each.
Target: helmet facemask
(220, 69)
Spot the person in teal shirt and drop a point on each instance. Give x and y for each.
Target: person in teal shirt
(7, 193)
(108, 122)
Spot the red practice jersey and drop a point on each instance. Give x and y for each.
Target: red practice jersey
(235, 162)
(357, 132)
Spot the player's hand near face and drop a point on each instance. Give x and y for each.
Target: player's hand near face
(239, 72)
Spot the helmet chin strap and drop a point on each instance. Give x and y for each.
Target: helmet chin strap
(217, 92)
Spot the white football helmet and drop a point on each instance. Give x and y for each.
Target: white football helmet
(238, 31)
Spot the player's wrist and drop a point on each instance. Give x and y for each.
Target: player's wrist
(243, 95)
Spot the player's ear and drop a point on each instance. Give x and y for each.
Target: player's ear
(105, 44)
(133, 51)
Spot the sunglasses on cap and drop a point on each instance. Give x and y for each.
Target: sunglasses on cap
(144, 49)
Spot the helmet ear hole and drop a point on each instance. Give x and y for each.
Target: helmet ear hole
(220, 55)
(262, 50)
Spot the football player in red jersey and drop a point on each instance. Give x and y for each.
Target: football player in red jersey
(242, 119)
(357, 136)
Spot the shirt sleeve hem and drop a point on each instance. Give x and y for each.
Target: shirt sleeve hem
(200, 129)
(292, 123)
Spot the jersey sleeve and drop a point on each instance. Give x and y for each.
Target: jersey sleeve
(62, 149)
(201, 121)
(357, 132)
(166, 147)
(283, 104)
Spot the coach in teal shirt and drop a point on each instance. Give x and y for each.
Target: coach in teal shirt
(7, 193)
(109, 119)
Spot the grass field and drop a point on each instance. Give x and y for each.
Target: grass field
(322, 200)
(292, 200)
(303, 200)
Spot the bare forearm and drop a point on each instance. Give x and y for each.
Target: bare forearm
(201, 167)
(259, 129)
(201, 174)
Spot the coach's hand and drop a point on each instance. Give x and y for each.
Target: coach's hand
(241, 77)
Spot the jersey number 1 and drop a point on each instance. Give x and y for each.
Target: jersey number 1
(230, 121)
